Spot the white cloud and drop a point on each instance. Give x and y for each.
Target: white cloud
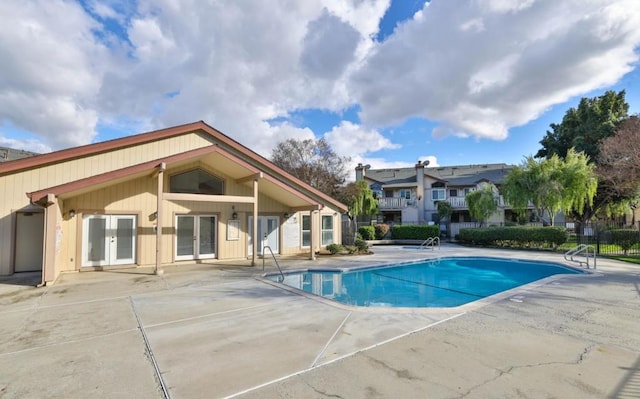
(477, 68)
(480, 68)
(24, 144)
(50, 73)
(430, 160)
(349, 139)
(233, 64)
(329, 47)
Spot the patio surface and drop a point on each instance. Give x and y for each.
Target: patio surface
(215, 331)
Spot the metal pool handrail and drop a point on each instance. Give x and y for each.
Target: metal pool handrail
(274, 259)
(582, 249)
(431, 242)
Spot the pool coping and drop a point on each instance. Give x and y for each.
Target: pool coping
(515, 293)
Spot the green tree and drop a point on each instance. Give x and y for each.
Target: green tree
(583, 129)
(360, 200)
(314, 162)
(551, 185)
(483, 202)
(444, 212)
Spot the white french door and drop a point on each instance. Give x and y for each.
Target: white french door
(108, 240)
(195, 237)
(267, 233)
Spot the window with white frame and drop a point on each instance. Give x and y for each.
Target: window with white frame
(404, 193)
(453, 192)
(327, 229)
(306, 230)
(438, 194)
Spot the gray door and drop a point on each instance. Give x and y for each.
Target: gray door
(29, 236)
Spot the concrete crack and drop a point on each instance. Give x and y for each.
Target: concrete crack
(323, 393)
(404, 373)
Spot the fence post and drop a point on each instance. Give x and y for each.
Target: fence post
(597, 225)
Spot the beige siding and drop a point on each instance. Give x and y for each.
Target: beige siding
(15, 186)
(137, 197)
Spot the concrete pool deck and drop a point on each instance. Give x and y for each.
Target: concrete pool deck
(214, 331)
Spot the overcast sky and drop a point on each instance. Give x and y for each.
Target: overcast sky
(449, 73)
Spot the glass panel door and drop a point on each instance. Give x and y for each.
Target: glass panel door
(195, 237)
(185, 237)
(122, 246)
(206, 237)
(95, 241)
(268, 228)
(108, 240)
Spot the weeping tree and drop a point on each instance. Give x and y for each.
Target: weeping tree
(444, 212)
(584, 129)
(551, 185)
(482, 203)
(360, 200)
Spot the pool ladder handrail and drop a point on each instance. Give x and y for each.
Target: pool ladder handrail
(430, 242)
(281, 279)
(583, 250)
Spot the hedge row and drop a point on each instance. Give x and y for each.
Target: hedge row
(625, 238)
(415, 232)
(520, 236)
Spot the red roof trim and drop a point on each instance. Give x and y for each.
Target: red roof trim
(97, 148)
(39, 195)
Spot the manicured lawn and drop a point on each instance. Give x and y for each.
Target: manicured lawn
(630, 259)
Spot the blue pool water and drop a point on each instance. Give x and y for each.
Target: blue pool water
(444, 282)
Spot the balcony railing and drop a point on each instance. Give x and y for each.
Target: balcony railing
(392, 203)
(461, 202)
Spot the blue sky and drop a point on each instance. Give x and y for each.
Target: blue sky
(385, 82)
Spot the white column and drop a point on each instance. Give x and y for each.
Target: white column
(159, 202)
(255, 223)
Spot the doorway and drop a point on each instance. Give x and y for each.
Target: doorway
(268, 229)
(29, 237)
(108, 240)
(196, 237)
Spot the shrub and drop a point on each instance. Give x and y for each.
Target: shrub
(367, 232)
(625, 238)
(334, 248)
(515, 236)
(361, 245)
(381, 231)
(351, 249)
(415, 232)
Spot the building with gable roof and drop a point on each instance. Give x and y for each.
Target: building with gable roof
(186, 193)
(409, 195)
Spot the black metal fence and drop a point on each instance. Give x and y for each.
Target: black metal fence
(608, 238)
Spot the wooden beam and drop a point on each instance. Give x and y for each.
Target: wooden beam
(208, 198)
(315, 207)
(255, 176)
(159, 169)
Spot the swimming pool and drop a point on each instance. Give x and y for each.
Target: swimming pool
(442, 282)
